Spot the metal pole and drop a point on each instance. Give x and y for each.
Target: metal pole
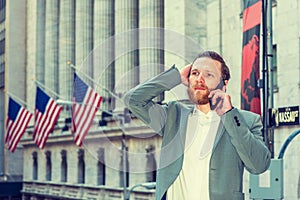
(270, 64)
(94, 82)
(265, 109)
(148, 185)
(124, 166)
(124, 158)
(220, 27)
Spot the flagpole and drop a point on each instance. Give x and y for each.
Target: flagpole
(91, 79)
(20, 100)
(48, 89)
(68, 102)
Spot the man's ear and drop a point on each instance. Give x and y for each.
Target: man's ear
(226, 82)
(225, 85)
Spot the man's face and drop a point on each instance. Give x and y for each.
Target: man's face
(205, 76)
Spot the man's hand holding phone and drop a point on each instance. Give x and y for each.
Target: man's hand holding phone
(220, 101)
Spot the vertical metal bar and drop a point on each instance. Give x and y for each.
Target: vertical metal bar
(265, 74)
(124, 158)
(220, 27)
(124, 167)
(270, 64)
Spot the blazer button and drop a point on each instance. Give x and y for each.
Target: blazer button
(238, 124)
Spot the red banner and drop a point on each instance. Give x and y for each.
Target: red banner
(250, 94)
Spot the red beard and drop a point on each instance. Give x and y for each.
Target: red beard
(199, 97)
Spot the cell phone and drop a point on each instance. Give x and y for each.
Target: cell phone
(219, 86)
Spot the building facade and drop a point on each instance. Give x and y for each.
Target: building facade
(113, 46)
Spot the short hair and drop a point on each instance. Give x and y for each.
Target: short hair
(215, 56)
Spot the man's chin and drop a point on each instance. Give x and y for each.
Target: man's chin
(199, 99)
(203, 101)
(202, 98)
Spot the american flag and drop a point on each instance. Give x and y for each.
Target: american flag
(16, 123)
(85, 105)
(46, 114)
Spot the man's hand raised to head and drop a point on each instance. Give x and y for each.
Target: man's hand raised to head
(185, 74)
(223, 104)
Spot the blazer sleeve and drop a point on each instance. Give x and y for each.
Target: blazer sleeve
(245, 131)
(140, 99)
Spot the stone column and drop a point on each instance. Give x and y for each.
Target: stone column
(84, 37)
(51, 47)
(103, 54)
(31, 51)
(151, 23)
(66, 50)
(151, 36)
(40, 41)
(126, 61)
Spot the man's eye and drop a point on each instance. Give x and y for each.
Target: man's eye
(209, 75)
(195, 73)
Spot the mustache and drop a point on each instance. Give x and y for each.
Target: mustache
(200, 85)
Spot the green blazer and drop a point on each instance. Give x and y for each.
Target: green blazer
(238, 142)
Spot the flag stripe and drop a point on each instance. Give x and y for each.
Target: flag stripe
(84, 112)
(87, 120)
(250, 16)
(17, 135)
(89, 125)
(8, 127)
(85, 105)
(46, 115)
(48, 128)
(46, 121)
(19, 126)
(16, 126)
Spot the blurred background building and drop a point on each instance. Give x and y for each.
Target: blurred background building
(114, 45)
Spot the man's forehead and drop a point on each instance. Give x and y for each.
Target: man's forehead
(206, 63)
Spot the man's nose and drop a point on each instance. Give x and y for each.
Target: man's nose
(200, 78)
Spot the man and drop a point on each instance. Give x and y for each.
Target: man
(205, 147)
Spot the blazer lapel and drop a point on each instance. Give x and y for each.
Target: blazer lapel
(185, 111)
(220, 131)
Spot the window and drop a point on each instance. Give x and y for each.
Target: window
(34, 166)
(81, 166)
(48, 166)
(101, 167)
(126, 181)
(2, 63)
(2, 75)
(64, 166)
(150, 164)
(2, 10)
